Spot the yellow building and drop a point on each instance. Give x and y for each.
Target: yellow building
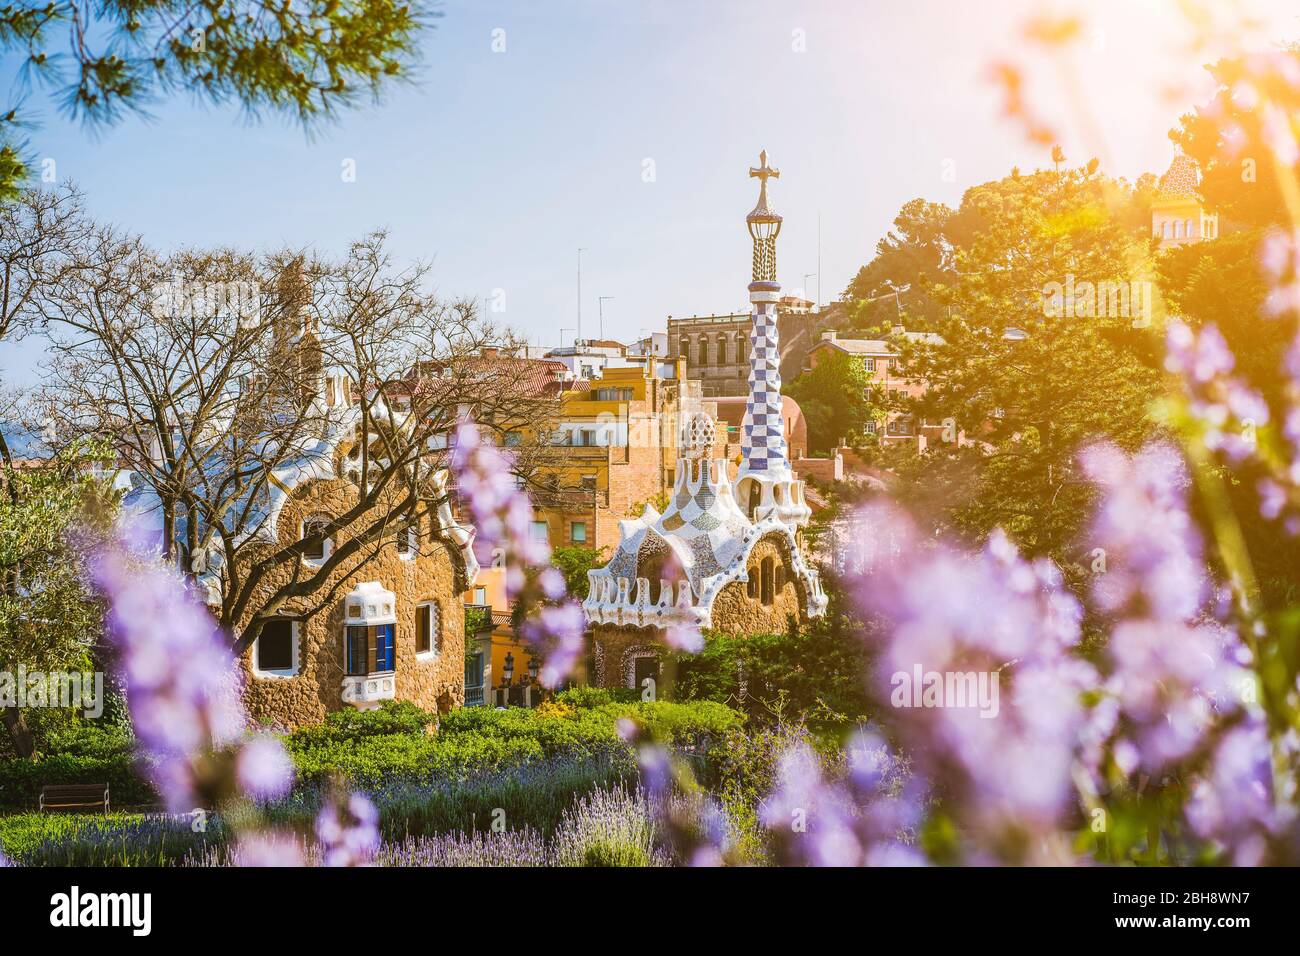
(1177, 217)
(616, 440)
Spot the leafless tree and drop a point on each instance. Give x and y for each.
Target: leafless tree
(223, 378)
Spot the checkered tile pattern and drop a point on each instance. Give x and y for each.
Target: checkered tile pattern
(763, 445)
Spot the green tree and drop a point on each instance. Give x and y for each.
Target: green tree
(837, 400)
(48, 619)
(574, 563)
(895, 285)
(1230, 140)
(1028, 374)
(106, 59)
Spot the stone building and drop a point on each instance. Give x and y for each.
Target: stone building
(386, 624)
(728, 551)
(394, 630)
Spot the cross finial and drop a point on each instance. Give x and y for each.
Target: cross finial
(764, 171)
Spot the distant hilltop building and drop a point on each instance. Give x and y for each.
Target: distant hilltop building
(1177, 216)
(727, 554)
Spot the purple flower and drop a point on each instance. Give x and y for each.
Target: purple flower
(1175, 672)
(178, 669)
(1232, 804)
(348, 831)
(1151, 548)
(268, 848)
(264, 769)
(975, 659)
(503, 515)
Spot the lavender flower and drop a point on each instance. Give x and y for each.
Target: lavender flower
(1005, 758)
(1152, 551)
(348, 830)
(1175, 672)
(861, 820)
(502, 515)
(264, 769)
(268, 848)
(1228, 411)
(1232, 804)
(180, 681)
(1280, 257)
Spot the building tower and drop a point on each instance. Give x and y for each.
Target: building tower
(765, 484)
(709, 560)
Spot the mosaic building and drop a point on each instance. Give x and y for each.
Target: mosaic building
(728, 552)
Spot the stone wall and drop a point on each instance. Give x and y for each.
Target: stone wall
(435, 573)
(734, 612)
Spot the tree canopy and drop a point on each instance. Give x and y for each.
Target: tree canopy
(104, 60)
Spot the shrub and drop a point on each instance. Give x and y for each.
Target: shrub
(21, 780)
(390, 717)
(609, 828)
(40, 839)
(476, 739)
(815, 672)
(597, 696)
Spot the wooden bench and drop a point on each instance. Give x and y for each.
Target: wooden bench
(74, 796)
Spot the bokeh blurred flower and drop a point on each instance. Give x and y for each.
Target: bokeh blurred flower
(348, 829)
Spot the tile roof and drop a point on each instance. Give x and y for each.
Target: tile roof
(1181, 177)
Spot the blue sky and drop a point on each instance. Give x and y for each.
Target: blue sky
(499, 165)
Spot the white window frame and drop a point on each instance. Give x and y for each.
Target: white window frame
(327, 547)
(280, 673)
(412, 544)
(435, 633)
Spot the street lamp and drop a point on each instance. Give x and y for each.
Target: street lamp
(534, 665)
(509, 670)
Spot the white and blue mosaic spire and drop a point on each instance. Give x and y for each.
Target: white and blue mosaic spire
(763, 446)
(711, 524)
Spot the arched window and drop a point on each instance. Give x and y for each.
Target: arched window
(1178, 229)
(780, 578)
(684, 348)
(766, 580)
(1187, 229)
(1164, 229)
(751, 586)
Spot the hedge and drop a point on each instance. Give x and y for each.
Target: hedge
(373, 749)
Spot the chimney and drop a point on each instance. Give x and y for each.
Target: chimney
(489, 351)
(828, 335)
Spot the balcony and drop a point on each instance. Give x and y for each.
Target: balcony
(365, 691)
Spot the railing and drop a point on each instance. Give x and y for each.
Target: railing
(516, 695)
(474, 696)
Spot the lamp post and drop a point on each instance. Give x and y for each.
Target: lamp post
(509, 670)
(580, 252)
(533, 667)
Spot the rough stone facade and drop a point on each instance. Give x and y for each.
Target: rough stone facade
(735, 611)
(433, 572)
